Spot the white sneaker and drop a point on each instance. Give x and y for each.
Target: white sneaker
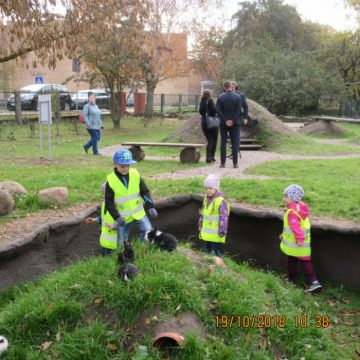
(314, 287)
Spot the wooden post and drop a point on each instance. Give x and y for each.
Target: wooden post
(180, 104)
(162, 104)
(196, 103)
(18, 107)
(58, 108)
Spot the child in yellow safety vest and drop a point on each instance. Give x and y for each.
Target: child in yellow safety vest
(127, 197)
(214, 216)
(108, 237)
(296, 239)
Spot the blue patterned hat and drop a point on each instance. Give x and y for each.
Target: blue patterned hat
(123, 157)
(294, 192)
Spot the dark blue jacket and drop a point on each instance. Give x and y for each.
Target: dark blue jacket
(245, 107)
(228, 107)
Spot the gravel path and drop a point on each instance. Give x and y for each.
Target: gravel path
(248, 160)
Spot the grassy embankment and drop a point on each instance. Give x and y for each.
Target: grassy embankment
(83, 312)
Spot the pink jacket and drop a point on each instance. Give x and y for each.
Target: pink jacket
(294, 222)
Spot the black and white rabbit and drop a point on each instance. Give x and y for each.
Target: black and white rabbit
(165, 241)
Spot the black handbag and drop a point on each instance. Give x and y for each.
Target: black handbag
(212, 122)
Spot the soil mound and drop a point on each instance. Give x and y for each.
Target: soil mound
(264, 126)
(322, 127)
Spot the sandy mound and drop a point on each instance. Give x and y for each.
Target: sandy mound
(264, 126)
(322, 127)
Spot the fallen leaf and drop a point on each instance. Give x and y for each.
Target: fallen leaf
(346, 301)
(45, 346)
(58, 337)
(308, 346)
(154, 318)
(98, 301)
(316, 304)
(348, 323)
(112, 347)
(343, 344)
(247, 338)
(110, 283)
(178, 308)
(75, 286)
(149, 291)
(147, 321)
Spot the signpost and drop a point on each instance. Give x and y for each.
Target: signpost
(45, 117)
(39, 80)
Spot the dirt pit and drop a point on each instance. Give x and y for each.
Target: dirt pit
(253, 236)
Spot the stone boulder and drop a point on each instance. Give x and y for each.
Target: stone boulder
(6, 202)
(55, 195)
(13, 187)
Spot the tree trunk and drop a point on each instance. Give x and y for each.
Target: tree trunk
(150, 89)
(115, 108)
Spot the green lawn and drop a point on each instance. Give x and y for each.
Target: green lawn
(83, 312)
(332, 187)
(334, 183)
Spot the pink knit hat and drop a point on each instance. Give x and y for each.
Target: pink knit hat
(212, 181)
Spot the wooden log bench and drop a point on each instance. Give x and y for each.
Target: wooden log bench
(190, 153)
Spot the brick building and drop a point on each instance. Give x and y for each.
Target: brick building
(18, 73)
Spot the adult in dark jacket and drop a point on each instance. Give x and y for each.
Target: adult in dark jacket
(245, 107)
(207, 105)
(229, 109)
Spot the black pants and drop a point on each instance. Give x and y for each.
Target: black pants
(211, 137)
(234, 133)
(213, 248)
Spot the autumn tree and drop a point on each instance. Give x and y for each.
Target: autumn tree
(37, 25)
(208, 53)
(111, 45)
(164, 53)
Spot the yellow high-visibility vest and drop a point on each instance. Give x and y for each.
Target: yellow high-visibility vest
(288, 244)
(108, 237)
(211, 221)
(127, 200)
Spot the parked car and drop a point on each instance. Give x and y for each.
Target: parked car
(81, 98)
(29, 96)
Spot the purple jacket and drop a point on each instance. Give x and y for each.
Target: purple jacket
(224, 214)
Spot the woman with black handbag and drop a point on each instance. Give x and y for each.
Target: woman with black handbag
(209, 124)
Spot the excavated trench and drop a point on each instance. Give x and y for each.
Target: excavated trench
(253, 235)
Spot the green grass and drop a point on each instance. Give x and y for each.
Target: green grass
(84, 308)
(332, 187)
(308, 145)
(83, 174)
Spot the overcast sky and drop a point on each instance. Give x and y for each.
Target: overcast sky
(330, 12)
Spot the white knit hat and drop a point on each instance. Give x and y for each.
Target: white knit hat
(212, 181)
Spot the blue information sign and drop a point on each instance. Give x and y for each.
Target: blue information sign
(39, 80)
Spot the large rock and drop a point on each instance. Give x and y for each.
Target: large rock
(13, 187)
(56, 195)
(6, 202)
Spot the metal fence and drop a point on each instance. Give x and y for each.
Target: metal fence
(350, 107)
(22, 104)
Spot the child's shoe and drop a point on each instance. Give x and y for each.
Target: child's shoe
(314, 287)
